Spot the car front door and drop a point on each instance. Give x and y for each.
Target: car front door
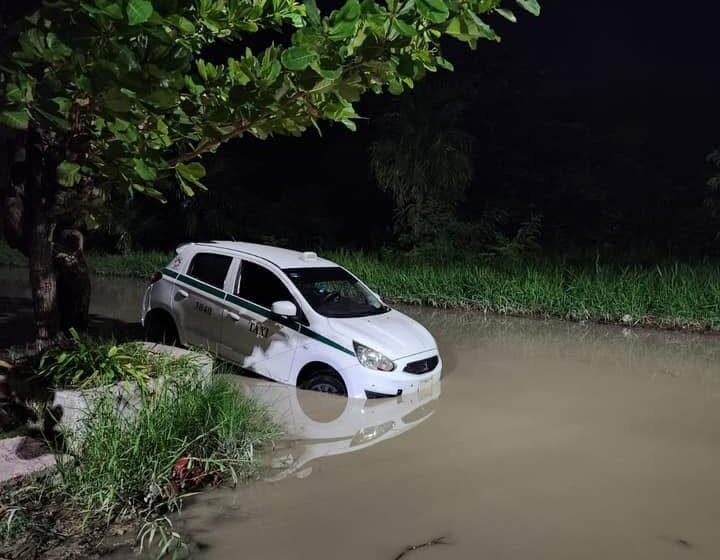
(198, 303)
(252, 335)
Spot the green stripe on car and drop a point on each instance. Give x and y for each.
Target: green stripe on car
(250, 306)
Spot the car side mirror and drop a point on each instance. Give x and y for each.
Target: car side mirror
(284, 308)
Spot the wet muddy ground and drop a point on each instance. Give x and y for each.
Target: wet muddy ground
(545, 440)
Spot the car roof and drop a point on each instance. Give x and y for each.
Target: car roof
(283, 258)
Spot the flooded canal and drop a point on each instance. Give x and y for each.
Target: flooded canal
(544, 440)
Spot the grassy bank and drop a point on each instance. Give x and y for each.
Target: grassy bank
(138, 264)
(670, 295)
(122, 473)
(667, 296)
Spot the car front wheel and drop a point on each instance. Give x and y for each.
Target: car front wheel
(325, 382)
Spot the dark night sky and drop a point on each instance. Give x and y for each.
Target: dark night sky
(654, 62)
(592, 41)
(644, 67)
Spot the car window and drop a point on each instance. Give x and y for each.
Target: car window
(210, 268)
(261, 286)
(333, 292)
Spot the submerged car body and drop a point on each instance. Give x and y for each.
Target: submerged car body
(292, 317)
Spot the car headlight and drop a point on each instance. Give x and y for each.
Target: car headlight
(372, 358)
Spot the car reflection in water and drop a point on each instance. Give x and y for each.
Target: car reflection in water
(320, 425)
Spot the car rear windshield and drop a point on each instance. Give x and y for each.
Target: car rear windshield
(332, 292)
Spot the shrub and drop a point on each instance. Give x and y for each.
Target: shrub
(83, 363)
(185, 433)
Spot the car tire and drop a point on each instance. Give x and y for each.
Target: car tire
(161, 329)
(325, 381)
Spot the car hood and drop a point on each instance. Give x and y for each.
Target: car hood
(394, 334)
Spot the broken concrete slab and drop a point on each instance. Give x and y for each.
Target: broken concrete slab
(69, 406)
(24, 456)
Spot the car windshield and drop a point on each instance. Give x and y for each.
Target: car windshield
(333, 292)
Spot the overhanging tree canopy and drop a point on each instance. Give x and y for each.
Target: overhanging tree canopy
(116, 95)
(126, 86)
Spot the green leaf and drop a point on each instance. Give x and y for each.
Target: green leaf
(181, 23)
(145, 171)
(297, 58)
(236, 73)
(113, 10)
(163, 98)
(328, 74)
(19, 90)
(139, 11)
(15, 119)
(395, 87)
(507, 14)
(123, 131)
(32, 42)
(63, 104)
(56, 46)
(193, 172)
(349, 12)
(272, 71)
(404, 28)
(484, 30)
(115, 100)
(343, 30)
(154, 193)
(455, 28)
(187, 189)
(531, 6)
(434, 10)
(68, 173)
(151, 192)
(444, 63)
(312, 11)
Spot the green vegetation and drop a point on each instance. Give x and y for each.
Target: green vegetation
(137, 264)
(131, 78)
(186, 431)
(83, 364)
(11, 257)
(668, 296)
(671, 295)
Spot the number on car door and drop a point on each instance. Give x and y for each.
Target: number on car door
(198, 303)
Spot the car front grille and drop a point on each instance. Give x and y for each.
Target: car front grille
(422, 366)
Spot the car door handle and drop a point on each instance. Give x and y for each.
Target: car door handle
(182, 294)
(231, 315)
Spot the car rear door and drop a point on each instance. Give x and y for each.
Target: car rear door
(198, 300)
(253, 336)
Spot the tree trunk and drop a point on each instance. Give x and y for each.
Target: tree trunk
(33, 210)
(43, 282)
(40, 195)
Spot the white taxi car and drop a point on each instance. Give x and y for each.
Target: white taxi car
(290, 316)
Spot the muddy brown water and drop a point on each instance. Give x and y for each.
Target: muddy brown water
(545, 439)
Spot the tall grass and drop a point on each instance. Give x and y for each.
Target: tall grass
(140, 264)
(668, 295)
(671, 296)
(129, 463)
(135, 462)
